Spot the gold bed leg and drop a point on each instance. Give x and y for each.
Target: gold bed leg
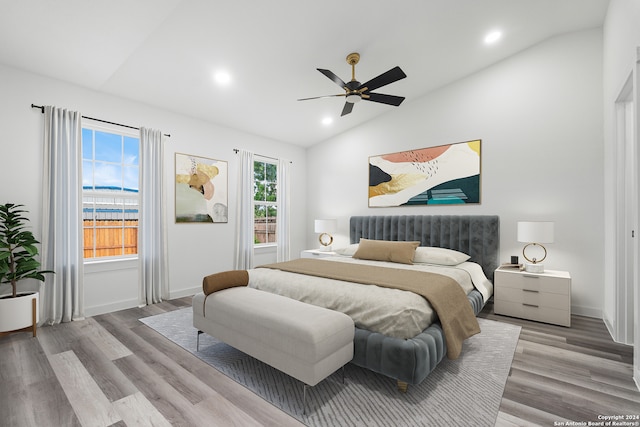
(402, 386)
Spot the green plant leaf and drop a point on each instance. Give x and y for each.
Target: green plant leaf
(18, 248)
(30, 248)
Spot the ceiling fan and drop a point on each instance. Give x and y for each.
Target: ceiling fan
(356, 91)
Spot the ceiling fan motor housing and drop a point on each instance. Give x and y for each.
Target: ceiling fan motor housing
(353, 95)
(353, 85)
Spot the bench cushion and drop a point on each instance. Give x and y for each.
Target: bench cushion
(302, 340)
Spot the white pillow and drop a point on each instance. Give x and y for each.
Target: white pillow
(347, 251)
(440, 256)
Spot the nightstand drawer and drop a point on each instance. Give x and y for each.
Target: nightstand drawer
(532, 297)
(539, 314)
(535, 282)
(314, 253)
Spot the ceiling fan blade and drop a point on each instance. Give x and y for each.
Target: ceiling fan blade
(319, 97)
(337, 80)
(393, 75)
(384, 99)
(348, 106)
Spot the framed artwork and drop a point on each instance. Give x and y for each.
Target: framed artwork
(201, 189)
(441, 175)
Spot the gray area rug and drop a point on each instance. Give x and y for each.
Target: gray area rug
(462, 392)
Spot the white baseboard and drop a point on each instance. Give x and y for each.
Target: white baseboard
(109, 308)
(586, 311)
(609, 327)
(185, 292)
(123, 305)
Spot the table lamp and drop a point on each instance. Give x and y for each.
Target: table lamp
(325, 227)
(534, 233)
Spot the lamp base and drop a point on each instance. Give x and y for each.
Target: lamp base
(534, 268)
(325, 240)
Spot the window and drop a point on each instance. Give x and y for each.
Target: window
(265, 201)
(110, 193)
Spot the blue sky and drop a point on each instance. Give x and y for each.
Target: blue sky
(115, 163)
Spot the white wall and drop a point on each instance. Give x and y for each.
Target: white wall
(621, 39)
(195, 250)
(539, 115)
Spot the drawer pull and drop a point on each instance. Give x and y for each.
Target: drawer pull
(530, 305)
(531, 290)
(530, 277)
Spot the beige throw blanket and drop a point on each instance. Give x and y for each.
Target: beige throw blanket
(443, 293)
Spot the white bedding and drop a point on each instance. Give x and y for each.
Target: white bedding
(391, 312)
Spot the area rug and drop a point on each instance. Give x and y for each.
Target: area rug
(461, 392)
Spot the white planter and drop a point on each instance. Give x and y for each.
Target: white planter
(17, 313)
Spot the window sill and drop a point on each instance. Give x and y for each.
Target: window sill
(265, 247)
(96, 266)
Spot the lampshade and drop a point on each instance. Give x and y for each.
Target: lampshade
(535, 231)
(325, 225)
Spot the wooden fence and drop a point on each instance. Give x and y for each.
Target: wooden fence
(111, 239)
(265, 230)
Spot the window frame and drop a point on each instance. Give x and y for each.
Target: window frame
(127, 198)
(275, 204)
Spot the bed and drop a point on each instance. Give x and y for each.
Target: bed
(409, 360)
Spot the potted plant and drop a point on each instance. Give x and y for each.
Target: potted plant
(18, 251)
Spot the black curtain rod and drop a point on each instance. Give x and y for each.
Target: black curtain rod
(41, 108)
(261, 155)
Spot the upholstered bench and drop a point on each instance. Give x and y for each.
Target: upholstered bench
(304, 341)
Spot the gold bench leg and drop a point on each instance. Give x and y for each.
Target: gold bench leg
(402, 386)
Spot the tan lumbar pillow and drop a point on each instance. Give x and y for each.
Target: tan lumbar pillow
(382, 250)
(226, 279)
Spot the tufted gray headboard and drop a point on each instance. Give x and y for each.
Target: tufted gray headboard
(476, 235)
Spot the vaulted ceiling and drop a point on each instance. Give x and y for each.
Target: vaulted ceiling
(165, 52)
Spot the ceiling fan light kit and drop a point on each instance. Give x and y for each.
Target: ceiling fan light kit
(353, 98)
(356, 91)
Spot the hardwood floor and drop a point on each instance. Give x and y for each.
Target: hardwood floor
(562, 375)
(111, 370)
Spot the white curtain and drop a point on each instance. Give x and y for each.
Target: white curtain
(283, 220)
(152, 226)
(62, 241)
(244, 222)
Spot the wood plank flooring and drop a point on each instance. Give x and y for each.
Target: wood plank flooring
(561, 375)
(111, 370)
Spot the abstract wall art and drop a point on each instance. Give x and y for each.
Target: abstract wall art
(201, 189)
(441, 175)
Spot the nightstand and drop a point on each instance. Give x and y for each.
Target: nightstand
(543, 297)
(316, 253)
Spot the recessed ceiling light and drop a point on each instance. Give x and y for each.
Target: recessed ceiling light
(327, 121)
(492, 37)
(222, 77)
